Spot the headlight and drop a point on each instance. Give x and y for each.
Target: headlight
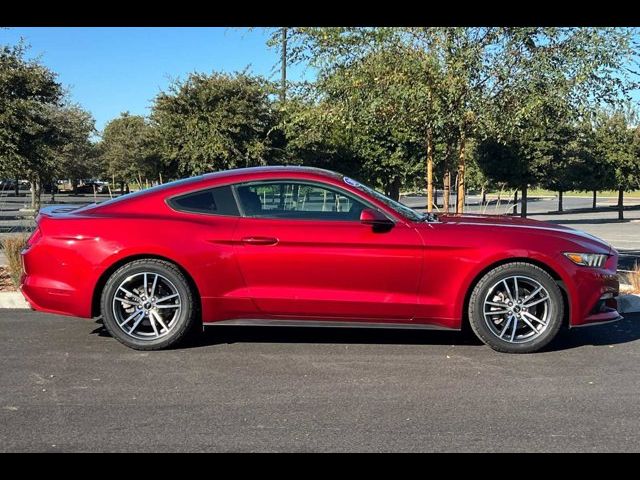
(596, 260)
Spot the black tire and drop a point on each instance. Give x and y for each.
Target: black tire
(481, 291)
(185, 321)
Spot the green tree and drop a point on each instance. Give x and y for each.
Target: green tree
(76, 158)
(312, 137)
(473, 71)
(128, 150)
(618, 143)
(506, 161)
(552, 78)
(215, 122)
(589, 171)
(29, 135)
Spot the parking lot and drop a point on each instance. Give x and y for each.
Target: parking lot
(624, 235)
(66, 386)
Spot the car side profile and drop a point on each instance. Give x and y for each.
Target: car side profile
(304, 246)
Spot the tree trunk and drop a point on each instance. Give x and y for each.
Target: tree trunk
(446, 192)
(560, 201)
(483, 196)
(594, 199)
(515, 202)
(394, 189)
(461, 196)
(429, 173)
(523, 209)
(621, 204)
(121, 187)
(36, 195)
(17, 187)
(127, 187)
(33, 194)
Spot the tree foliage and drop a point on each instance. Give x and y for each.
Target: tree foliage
(29, 132)
(76, 158)
(215, 122)
(128, 149)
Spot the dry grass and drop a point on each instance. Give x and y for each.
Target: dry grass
(6, 284)
(633, 278)
(12, 247)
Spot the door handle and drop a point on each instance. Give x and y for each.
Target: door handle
(259, 240)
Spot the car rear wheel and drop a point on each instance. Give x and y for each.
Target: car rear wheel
(148, 304)
(516, 308)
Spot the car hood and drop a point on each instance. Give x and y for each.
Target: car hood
(505, 222)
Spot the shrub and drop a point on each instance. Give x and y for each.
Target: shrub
(12, 247)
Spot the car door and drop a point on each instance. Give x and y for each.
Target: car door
(303, 252)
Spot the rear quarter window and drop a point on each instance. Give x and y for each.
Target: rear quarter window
(213, 201)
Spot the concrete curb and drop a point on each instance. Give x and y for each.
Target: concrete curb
(629, 303)
(12, 300)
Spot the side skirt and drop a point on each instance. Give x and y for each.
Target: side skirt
(328, 323)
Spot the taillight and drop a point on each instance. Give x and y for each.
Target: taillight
(34, 237)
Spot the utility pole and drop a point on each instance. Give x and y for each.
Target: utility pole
(429, 171)
(283, 79)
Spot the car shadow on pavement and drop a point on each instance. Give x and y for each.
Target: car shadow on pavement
(623, 331)
(220, 334)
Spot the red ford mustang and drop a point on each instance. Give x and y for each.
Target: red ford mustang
(303, 246)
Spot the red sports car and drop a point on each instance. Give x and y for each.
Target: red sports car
(304, 246)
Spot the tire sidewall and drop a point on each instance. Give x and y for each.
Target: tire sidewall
(476, 304)
(151, 266)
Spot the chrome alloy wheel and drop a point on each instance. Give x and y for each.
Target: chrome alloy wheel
(146, 306)
(516, 309)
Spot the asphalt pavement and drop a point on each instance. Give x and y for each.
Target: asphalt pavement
(65, 385)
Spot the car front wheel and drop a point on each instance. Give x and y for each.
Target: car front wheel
(516, 308)
(148, 304)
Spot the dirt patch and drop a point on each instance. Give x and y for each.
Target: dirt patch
(6, 285)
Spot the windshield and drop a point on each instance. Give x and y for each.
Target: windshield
(403, 210)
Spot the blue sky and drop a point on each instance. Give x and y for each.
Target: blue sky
(112, 70)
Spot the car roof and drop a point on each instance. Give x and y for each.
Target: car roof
(168, 187)
(272, 169)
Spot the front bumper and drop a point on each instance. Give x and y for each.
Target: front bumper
(594, 298)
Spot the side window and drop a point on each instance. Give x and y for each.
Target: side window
(215, 201)
(296, 200)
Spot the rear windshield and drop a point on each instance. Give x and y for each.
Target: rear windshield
(157, 188)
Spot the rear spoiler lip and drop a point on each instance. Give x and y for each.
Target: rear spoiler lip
(61, 210)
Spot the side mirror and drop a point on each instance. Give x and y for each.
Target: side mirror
(377, 220)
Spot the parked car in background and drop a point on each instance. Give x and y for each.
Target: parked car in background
(89, 186)
(304, 246)
(10, 184)
(51, 187)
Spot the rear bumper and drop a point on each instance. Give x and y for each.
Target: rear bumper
(50, 284)
(45, 297)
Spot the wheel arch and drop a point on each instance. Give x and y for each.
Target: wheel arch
(538, 263)
(104, 277)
